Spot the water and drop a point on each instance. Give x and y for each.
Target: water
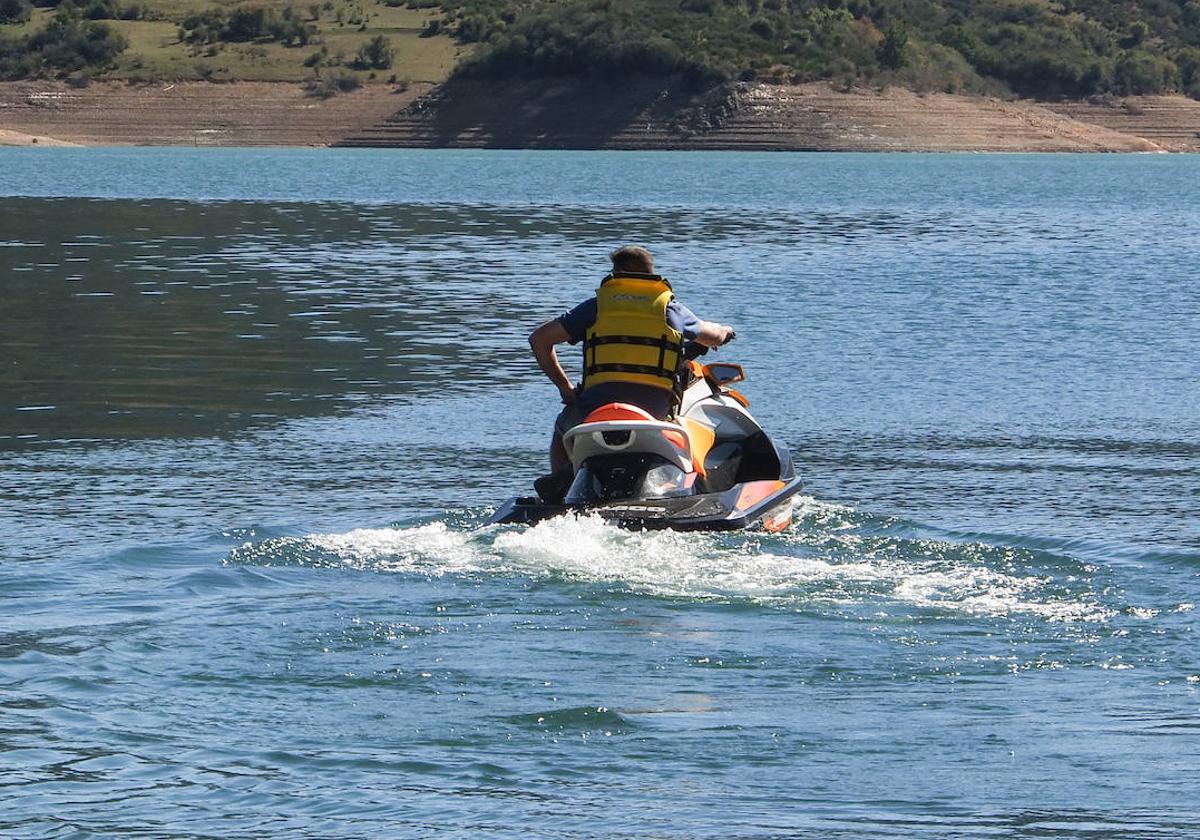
(255, 407)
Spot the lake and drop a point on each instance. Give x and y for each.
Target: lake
(256, 407)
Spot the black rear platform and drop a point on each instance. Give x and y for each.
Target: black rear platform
(708, 512)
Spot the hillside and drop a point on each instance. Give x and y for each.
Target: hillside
(779, 74)
(1031, 48)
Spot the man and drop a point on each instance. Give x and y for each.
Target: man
(633, 332)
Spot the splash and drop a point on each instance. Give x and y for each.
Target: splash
(834, 556)
(433, 548)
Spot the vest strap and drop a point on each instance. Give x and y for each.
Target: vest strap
(640, 340)
(613, 367)
(662, 343)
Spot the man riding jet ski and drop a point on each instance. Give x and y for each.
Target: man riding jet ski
(652, 438)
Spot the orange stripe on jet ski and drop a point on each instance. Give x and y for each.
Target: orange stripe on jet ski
(755, 491)
(702, 438)
(737, 395)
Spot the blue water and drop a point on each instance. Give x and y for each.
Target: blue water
(256, 406)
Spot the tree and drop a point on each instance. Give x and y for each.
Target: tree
(893, 51)
(247, 25)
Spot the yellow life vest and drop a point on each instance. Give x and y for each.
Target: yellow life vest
(631, 340)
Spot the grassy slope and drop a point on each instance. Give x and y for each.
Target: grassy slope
(156, 53)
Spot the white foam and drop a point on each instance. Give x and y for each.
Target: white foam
(432, 547)
(824, 560)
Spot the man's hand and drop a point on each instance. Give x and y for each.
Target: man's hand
(712, 334)
(567, 395)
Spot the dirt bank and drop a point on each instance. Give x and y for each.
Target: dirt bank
(587, 115)
(1172, 122)
(194, 113)
(647, 115)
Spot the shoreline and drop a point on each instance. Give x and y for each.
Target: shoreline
(555, 114)
(18, 138)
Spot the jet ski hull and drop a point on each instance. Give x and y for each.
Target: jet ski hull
(765, 503)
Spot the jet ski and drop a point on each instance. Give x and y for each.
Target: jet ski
(710, 468)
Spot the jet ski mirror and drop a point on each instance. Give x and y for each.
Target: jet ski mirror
(723, 373)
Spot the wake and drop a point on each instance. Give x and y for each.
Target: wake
(832, 556)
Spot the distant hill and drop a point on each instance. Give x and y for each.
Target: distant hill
(1070, 49)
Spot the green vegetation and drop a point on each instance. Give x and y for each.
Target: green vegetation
(250, 24)
(67, 42)
(1069, 48)
(331, 84)
(15, 11)
(376, 54)
(223, 40)
(1045, 48)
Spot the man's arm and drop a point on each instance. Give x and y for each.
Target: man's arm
(712, 334)
(706, 333)
(542, 341)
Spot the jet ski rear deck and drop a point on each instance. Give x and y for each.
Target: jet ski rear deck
(767, 503)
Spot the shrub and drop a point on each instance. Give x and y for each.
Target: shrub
(15, 11)
(65, 44)
(476, 28)
(101, 10)
(247, 25)
(136, 11)
(1141, 72)
(15, 61)
(376, 54)
(291, 31)
(1188, 62)
(333, 84)
(74, 44)
(762, 28)
(204, 27)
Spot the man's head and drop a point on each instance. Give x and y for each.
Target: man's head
(631, 258)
